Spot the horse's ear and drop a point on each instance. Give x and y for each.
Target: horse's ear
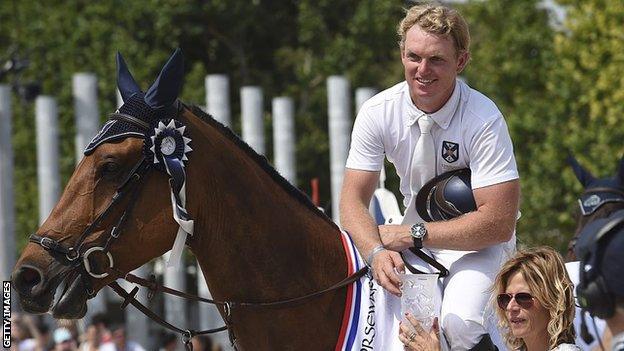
(125, 82)
(583, 175)
(620, 172)
(167, 86)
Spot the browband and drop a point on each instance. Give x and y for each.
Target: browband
(130, 119)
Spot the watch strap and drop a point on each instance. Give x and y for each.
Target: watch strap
(417, 242)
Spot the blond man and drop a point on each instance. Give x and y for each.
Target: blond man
(467, 131)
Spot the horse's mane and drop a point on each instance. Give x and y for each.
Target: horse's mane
(261, 161)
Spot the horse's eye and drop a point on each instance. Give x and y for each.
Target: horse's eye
(110, 168)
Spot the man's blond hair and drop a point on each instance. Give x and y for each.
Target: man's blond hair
(439, 20)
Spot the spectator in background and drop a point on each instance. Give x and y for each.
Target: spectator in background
(71, 325)
(101, 323)
(21, 333)
(202, 343)
(28, 333)
(600, 248)
(63, 340)
(91, 339)
(170, 342)
(120, 341)
(45, 342)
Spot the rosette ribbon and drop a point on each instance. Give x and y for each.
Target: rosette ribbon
(169, 147)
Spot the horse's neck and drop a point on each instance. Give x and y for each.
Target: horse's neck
(253, 239)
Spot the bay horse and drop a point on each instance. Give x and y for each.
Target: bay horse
(257, 238)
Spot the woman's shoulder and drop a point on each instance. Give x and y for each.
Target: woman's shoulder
(566, 347)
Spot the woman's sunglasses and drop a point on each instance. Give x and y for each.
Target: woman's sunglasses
(525, 300)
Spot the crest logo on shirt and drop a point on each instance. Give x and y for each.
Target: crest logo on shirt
(450, 151)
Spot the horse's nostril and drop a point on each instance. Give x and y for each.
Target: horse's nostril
(27, 278)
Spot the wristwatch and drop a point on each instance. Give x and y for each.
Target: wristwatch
(418, 233)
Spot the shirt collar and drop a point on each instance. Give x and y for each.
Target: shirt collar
(441, 117)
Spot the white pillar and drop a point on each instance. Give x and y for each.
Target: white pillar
(7, 209)
(47, 155)
(339, 120)
(175, 307)
(87, 115)
(251, 113)
(361, 95)
(209, 317)
(139, 331)
(218, 98)
(218, 106)
(87, 119)
(284, 138)
(120, 101)
(137, 322)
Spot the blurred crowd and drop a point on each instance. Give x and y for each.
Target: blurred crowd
(29, 333)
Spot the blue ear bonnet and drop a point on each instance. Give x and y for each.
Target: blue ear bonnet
(115, 129)
(159, 103)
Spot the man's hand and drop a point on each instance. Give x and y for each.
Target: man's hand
(395, 237)
(385, 266)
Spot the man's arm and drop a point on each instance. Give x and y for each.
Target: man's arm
(357, 189)
(493, 222)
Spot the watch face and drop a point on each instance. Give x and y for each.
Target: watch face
(418, 230)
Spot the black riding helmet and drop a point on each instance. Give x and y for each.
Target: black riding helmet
(446, 196)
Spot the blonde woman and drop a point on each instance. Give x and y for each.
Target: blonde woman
(535, 301)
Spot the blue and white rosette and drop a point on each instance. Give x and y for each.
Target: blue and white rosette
(169, 147)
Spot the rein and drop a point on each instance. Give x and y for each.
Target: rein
(228, 306)
(70, 256)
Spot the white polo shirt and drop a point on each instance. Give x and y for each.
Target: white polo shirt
(469, 131)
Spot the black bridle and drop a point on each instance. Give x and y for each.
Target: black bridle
(76, 257)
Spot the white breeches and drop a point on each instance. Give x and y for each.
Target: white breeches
(466, 312)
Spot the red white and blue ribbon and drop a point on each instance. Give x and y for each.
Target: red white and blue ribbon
(169, 147)
(350, 319)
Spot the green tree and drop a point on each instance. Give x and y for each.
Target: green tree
(511, 62)
(287, 48)
(558, 87)
(62, 38)
(586, 91)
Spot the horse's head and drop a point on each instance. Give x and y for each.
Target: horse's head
(600, 198)
(115, 211)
